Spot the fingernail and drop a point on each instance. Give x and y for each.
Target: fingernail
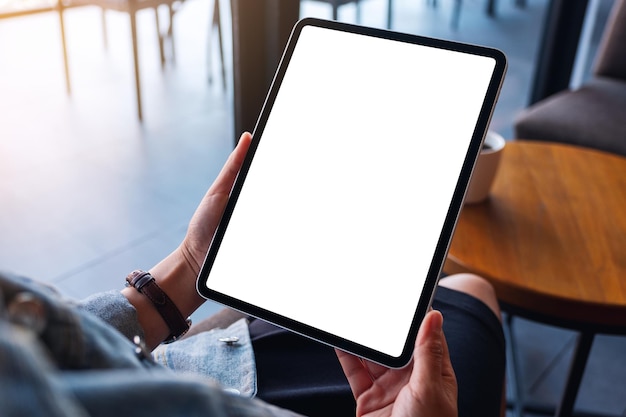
(438, 321)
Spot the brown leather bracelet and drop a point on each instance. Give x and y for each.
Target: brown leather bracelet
(143, 282)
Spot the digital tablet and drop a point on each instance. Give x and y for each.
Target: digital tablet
(340, 219)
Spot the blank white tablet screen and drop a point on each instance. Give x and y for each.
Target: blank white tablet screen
(337, 221)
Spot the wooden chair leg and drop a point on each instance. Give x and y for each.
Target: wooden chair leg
(133, 30)
(64, 47)
(105, 35)
(170, 32)
(215, 24)
(217, 20)
(160, 36)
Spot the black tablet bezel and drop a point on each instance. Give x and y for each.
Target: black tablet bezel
(450, 220)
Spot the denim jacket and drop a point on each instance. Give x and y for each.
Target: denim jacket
(62, 358)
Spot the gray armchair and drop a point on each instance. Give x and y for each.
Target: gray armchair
(595, 114)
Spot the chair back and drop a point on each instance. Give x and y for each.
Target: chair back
(611, 58)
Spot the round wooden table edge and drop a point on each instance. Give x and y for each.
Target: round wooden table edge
(547, 308)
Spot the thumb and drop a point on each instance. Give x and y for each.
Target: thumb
(433, 383)
(430, 349)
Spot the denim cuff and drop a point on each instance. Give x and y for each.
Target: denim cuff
(115, 309)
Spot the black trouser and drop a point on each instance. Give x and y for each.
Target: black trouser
(305, 376)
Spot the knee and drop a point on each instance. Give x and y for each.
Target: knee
(475, 286)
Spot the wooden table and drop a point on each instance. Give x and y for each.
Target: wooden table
(551, 239)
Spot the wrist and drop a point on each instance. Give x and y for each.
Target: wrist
(145, 284)
(154, 327)
(177, 280)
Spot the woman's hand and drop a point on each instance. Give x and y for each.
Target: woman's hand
(177, 273)
(426, 387)
(208, 214)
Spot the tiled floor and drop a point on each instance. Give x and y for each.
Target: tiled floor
(88, 194)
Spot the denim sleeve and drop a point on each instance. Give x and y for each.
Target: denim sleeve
(27, 387)
(222, 355)
(74, 364)
(206, 354)
(74, 338)
(160, 394)
(31, 386)
(113, 308)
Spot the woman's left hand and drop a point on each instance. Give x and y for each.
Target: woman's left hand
(208, 214)
(178, 272)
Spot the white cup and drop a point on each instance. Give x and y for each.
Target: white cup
(486, 168)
